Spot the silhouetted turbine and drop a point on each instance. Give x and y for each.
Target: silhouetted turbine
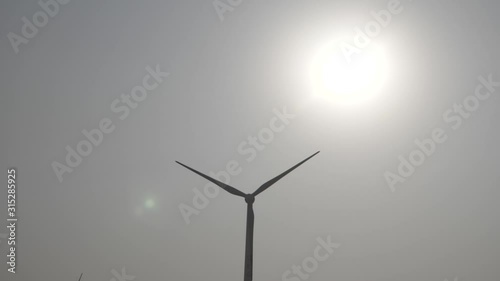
(80, 277)
(250, 199)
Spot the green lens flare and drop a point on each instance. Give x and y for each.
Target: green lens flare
(150, 203)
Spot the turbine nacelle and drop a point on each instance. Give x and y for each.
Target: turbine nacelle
(249, 198)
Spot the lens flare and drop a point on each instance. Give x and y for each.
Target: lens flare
(150, 204)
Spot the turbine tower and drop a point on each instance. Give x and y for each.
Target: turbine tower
(249, 199)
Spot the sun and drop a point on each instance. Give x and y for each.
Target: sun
(349, 78)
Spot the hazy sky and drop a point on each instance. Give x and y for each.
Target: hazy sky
(235, 74)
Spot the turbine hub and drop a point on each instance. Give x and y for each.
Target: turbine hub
(249, 198)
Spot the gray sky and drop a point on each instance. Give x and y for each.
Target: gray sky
(229, 74)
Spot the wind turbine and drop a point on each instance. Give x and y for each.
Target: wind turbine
(80, 277)
(249, 199)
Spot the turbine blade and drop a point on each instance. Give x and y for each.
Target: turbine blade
(274, 180)
(222, 185)
(80, 277)
(249, 244)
